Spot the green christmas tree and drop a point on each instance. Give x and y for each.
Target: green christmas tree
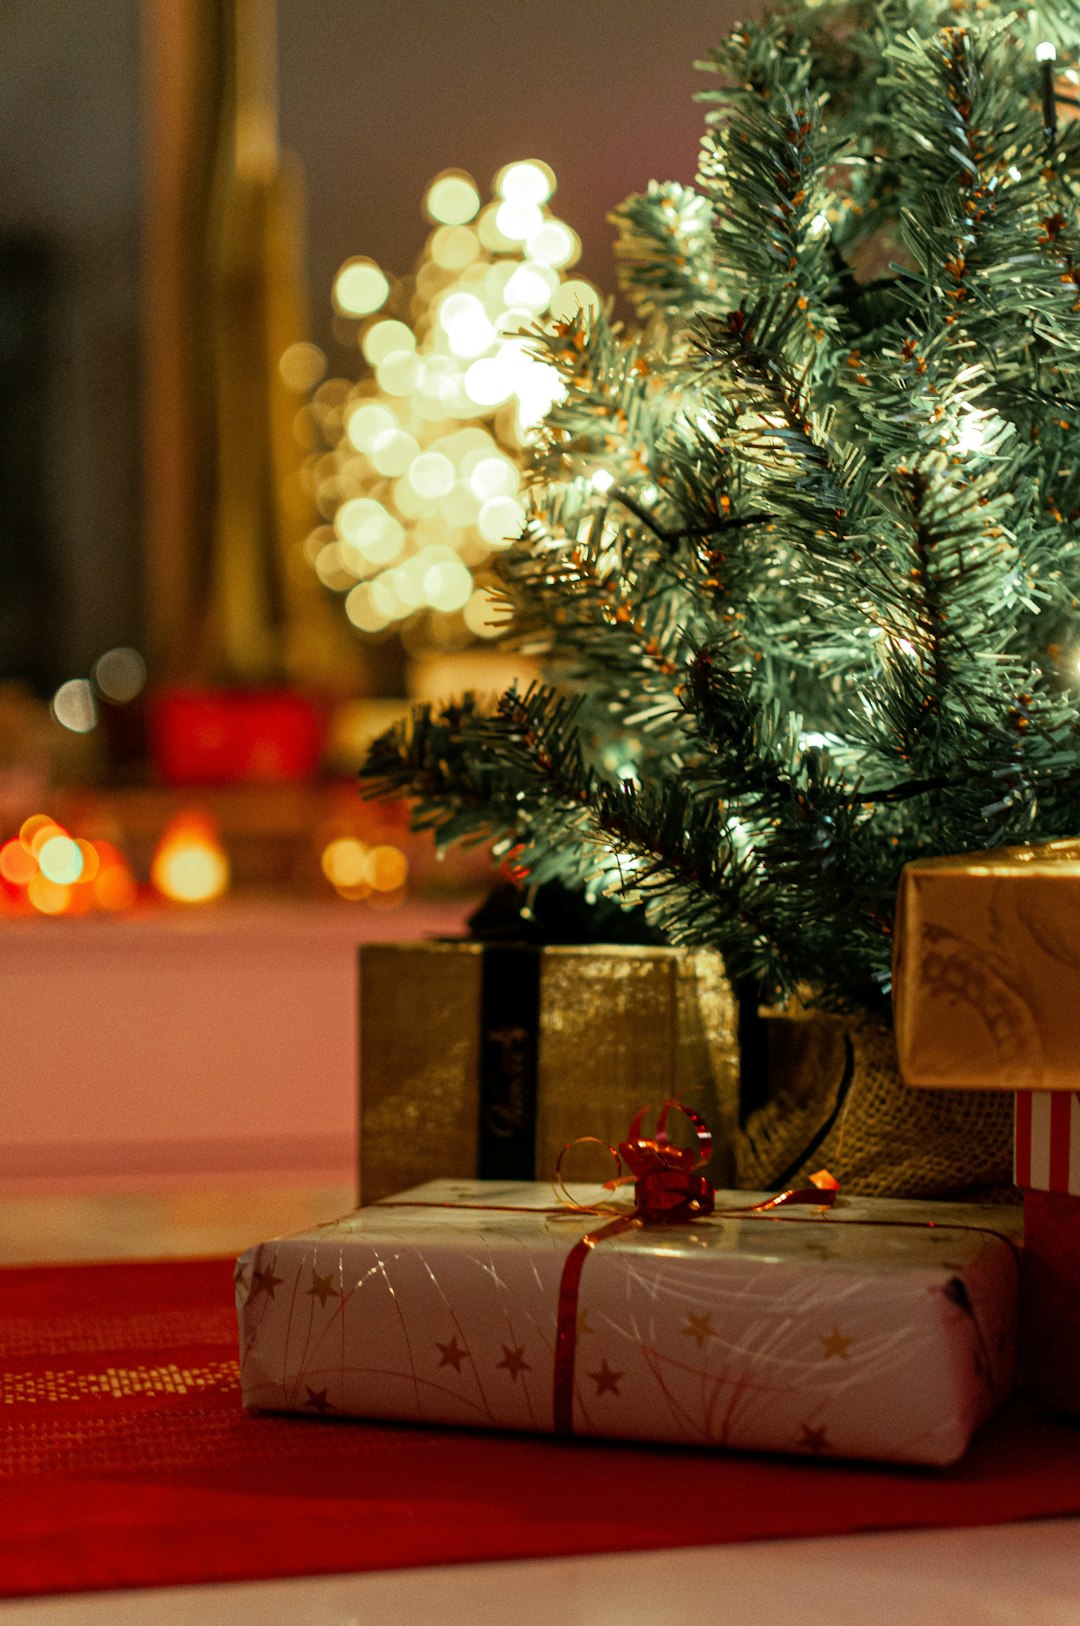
(803, 557)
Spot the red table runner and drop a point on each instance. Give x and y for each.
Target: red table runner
(126, 1460)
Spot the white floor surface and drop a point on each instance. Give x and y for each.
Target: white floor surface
(1027, 1574)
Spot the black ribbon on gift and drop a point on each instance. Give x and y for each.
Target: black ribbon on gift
(509, 1050)
(514, 925)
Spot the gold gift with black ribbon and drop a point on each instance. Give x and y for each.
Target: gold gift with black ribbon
(482, 1060)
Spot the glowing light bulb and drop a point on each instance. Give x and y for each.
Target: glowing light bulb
(113, 887)
(454, 247)
(60, 860)
(392, 452)
(501, 521)
(344, 862)
(385, 602)
(447, 585)
(970, 436)
(333, 568)
(387, 869)
(452, 198)
(17, 866)
(190, 865)
(493, 477)
(415, 503)
(575, 295)
(36, 829)
(529, 182)
(399, 372)
(74, 707)
(491, 238)
(819, 224)
(362, 612)
(465, 322)
(1046, 51)
(301, 367)
(48, 897)
(120, 675)
(518, 221)
(431, 475)
(365, 527)
(360, 288)
(383, 338)
(553, 243)
(532, 286)
(91, 861)
(487, 384)
(366, 423)
(602, 480)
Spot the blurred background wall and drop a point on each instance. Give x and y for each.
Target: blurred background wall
(70, 567)
(374, 99)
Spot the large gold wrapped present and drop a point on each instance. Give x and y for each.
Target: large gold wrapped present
(486, 1059)
(987, 970)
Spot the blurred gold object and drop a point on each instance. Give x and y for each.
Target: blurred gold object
(225, 300)
(987, 969)
(617, 1028)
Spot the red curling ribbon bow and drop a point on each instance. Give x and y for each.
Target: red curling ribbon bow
(668, 1190)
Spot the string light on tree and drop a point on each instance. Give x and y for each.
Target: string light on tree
(1046, 56)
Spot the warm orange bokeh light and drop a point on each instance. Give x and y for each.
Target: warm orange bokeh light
(114, 889)
(64, 874)
(60, 859)
(50, 831)
(344, 862)
(32, 828)
(387, 868)
(91, 860)
(190, 864)
(355, 870)
(17, 866)
(48, 897)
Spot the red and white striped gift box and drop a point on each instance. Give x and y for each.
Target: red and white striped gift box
(1048, 1140)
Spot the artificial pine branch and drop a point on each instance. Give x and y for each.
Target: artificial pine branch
(803, 557)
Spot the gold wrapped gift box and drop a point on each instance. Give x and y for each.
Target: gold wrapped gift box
(986, 987)
(453, 1069)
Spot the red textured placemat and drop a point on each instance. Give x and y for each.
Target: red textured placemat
(126, 1460)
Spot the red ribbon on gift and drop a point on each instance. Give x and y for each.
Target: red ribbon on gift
(668, 1190)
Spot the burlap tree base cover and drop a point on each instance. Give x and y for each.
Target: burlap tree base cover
(837, 1101)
